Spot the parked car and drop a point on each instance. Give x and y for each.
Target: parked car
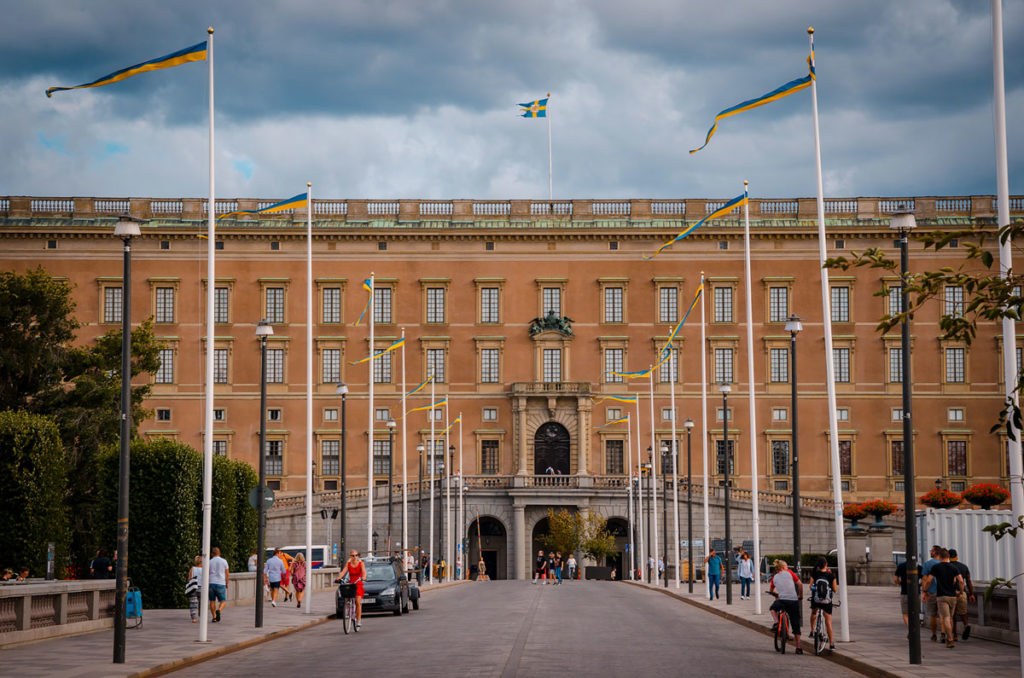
(386, 589)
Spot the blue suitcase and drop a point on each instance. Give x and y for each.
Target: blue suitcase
(133, 606)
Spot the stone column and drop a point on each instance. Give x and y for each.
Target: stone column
(519, 439)
(583, 434)
(519, 542)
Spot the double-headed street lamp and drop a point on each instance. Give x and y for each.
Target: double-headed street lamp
(342, 390)
(391, 466)
(725, 389)
(904, 223)
(263, 330)
(688, 425)
(419, 509)
(127, 227)
(794, 326)
(664, 509)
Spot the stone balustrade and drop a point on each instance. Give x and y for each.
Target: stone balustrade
(42, 609)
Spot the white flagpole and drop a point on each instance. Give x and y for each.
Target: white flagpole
(642, 554)
(307, 602)
(750, 398)
(675, 464)
(432, 457)
(405, 464)
(547, 114)
(704, 418)
(830, 376)
(654, 487)
(370, 489)
(1005, 268)
(449, 560)
(462, 507)
(629, 512)
(211, 242)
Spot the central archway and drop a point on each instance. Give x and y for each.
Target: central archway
(551, 449)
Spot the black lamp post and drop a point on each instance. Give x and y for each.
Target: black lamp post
(391, 466)
(725, 389)
(419, 511)
(652, 548)
(263, 330)
(664, 509)
(127, 228)
(342, 390)
(688, 424)
(375, 536)
(449, 520)
(636, 527)
(794, 326)
(904, 223)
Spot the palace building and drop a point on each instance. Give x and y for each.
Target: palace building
(522, 310)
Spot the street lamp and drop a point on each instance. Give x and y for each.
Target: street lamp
(794, 326)
(127, 227)
(342, 390)
(664, 508)
(725, 389)
(652, 547)
(263, 330)
(449, 556)
(419, 511)
(688, 424)
(391, 465)
(905, 222)
(375, 536)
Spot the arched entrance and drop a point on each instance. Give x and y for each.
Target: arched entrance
(551, 449)
(492, 542)
(619, 558)
(540, 530)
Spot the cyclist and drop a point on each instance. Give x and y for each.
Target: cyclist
(355, 569)
(789, 591)
(823, 584)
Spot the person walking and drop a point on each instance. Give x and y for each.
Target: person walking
(948, 585)
(558, 568)
(101, 567)
(661, 568)
(298, 577)
(540, 569)
(823, 584)
(286, 578)
(745, 571)
(252, 562)
(900, 577)
(192, 579)
(220, 575)
(572, 566)
(272, 573)
(961, 600)
(929, 597)
(424, 567)
(713, 570)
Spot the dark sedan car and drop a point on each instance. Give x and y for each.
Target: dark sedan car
(386, 589)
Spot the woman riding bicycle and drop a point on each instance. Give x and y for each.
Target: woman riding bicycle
(823, 584)
(789, 591)
(355, 570)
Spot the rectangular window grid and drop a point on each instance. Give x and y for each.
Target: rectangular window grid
(954, 301)
(435, 304)
(779, 365)
(780, 457)
(720, 456)
(612, 363)
(220, 366)
(489, 457)
(435, 364)
(382, 305)
(489, 305)
(840, 304)
(437, 458)
(274, 461)
(668, 371)
(613, 456)
(165, 373)
(723, 365)
(275, 305)
(275, 365)
(955, 365)
(220, 448)
(552, 300)
(895, 299)
(956, 457)
(846, 457)
(490, 414)
(331, 414)
(382, 413)
(613, 304)
(112, 301)
(382, 457)
(381, 369)
(841, 363)
(723, 305)
(955, 414)
(896, 365)
(780, 414)
(896, 457)
(164, 305)
(332, 305)
(778, 304)
(668, 305)
(329, 458)
(489, 366)
(220, 305)
(330, 368)
(552, 364)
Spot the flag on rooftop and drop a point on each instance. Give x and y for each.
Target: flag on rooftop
(535, 109)
(196, 52)
(294, 202)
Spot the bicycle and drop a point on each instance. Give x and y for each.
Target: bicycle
(348, 616)
(781, 627)
(820, 632)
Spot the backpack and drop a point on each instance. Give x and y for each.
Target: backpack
(822, 590)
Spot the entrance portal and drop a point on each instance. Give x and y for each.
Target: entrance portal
(493, 547)
(551, 449)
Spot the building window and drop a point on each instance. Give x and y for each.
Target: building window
(163, 414)
(896, 365)
(780, 414)
(331, 414)
(896, 413)
(552, 364)
(842, 414)
(435, 364)
(954, 301)
(955, 365)
(720, 456)
(723, 365)
(219, 414)
(381, 369)
(846, 457)
(779, 365)
(220, 304)
(330, 365)
(723, 305)
(613, 456)
(435, 464)
(382, 305)
(612, 364)
(489, 457)
(331, 305)
(613, 304)
(274, 458)
(489, 305)
(165, 373)
(437, 414)
(489, 366)
(956, 457)
(329, 458)
(275, 365)
(435, 305)
(955, 414)
(612, 413)
(274, 414)
(383, 413)
(896, 457)
(220, 448)
(275, 305)
(895, 299)
(490, 414)
(220, 366)
(668, 371)
(164, 305)
(841, 363)
(112, 304)
(780, 457)
(778, 304)
(668, 304)
(551, 298)
(841, 304)
(382, 457)
(720, 414)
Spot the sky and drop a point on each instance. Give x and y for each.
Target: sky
(418, 98)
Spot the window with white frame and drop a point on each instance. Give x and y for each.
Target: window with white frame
(552, 367)
(164, 305)
(435, 364)
(331, 313)
(489, 373)
(841, 363)
(778, 304)
(274, 458)
(381, 457)
(723, 305)
(955, 359)
(896, 457)
(219, 414)
(220, 448)
(274, 414)
(382, 305)
(551, 298)
(382, 369)
(489, 305)
(842, 414)
(490, 414)
(841, 304)
(220, 366)
(275, 365)
(955, 414)
(895, 299)
(896, 365)
(668, 371)
(613, 304)
(275, 305)
(436, 461)
(435, 305)
(780, 414)
(668, 304)
(331, 414)
(723, 365)
(165, 373)
(612, 364)
(897, 413)
(112, 304)
(329, 465)
(613, 413)
(778, 365)
(330, 368)
(383, 413)
(954, 306)
(666, 414)
(221, 299)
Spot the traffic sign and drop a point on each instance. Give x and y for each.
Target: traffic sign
(268, 497)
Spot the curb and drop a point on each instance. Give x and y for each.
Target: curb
(177, 664)
(858, 665)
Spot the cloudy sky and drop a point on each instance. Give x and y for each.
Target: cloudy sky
(417, 98)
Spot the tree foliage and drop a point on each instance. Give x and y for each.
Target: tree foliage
(565, 531)
(598, 542)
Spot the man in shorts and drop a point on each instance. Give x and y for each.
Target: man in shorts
(541, 569)
(789, 591)
(931, 612)
(961, 600)
(900, 577)
(220, 574)
(272, 573)
(948, 585)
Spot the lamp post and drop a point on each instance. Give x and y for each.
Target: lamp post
(652, 547)
(375, 536)
(688, 424)
(725, 389)
(342, 390)
(636, 527)
(794, 326)
(263, 330)
(419, 511)
(127, 227)
(904, 223)
(391, 466)
(664, 509)
(449, 556)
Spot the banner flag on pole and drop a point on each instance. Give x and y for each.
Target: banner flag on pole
(196, 52)
(738, 201)
(421, 386)
(368, 287)
(535, 109)
(392, 347)
(613, 422)
(294, 202)
(672, 337)
(449, 428)
(790, 87)
(440, 403)
(620, 399)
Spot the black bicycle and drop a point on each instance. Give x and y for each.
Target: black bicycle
(781, 627)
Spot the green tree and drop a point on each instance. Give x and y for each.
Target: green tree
(565, 531)
(245, 515)
(597, 542)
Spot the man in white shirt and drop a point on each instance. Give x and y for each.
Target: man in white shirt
(789, 591)
(220, 574)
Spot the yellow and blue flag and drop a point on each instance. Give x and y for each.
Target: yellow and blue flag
(620, 399)
(196, 52)
(440, 403)
(790, 87)
(620, 420)
(392, 347)
(291, 203)
(454, 422)
(368, 286)
(421, 386)
(721, 211)
(535, 109)
(675, 330)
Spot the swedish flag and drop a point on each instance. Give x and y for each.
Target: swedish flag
(291, 203)
(535, 109)
(196, 52)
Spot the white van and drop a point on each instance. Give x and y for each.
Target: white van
(321, 554)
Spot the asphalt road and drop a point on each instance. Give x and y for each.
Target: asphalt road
(511, 628)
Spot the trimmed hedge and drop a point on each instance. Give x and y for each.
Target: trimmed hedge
(33, 476)
(807, 560)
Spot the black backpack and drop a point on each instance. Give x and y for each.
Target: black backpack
(822, 590)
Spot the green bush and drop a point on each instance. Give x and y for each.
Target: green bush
(33, 478)
(245, 515)
(223, 532)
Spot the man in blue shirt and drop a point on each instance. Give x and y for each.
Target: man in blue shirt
(930, 599)
(272, 573)
(714, 573)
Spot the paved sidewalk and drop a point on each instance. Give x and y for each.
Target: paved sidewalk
(879, 638)
(167, 639)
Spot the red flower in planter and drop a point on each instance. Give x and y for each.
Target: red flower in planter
(985, 495)
(940, 499)
(878, 507)
(854, 512)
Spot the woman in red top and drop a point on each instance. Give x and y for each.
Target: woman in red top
(356, 571)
